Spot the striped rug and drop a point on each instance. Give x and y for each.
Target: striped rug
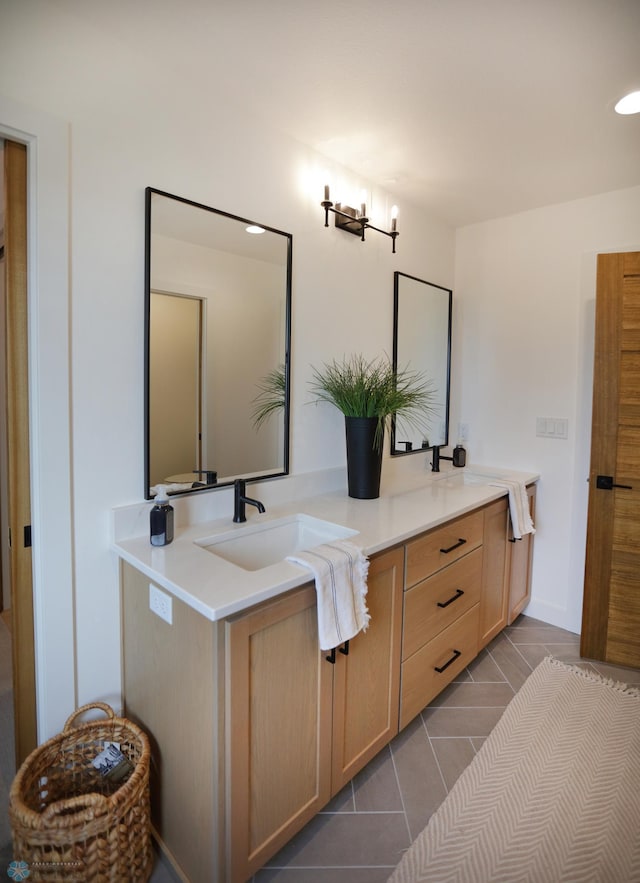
(553, 795)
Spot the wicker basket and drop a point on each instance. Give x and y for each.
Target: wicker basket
(71, 823)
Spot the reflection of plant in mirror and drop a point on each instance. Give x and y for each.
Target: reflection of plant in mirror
(361, 388)
(271, 396)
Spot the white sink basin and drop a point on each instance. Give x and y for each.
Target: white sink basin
(261, 545)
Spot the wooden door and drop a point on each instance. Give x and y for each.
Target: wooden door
(367, 681)
(279, 725)
(611, 611)
(17, 404)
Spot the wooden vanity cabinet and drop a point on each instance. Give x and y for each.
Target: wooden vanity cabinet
(298, 726)
(253, 730)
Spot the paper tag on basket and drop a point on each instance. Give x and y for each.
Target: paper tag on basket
(112, 763)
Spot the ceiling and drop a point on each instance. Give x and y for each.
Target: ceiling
(472, 109)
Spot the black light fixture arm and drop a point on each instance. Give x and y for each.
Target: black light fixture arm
(353, 222)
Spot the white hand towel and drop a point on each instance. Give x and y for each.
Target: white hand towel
(340, 571)
(521, 522)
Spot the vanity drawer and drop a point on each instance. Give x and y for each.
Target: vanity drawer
(420, 680)
(435, 603)
(442, 546)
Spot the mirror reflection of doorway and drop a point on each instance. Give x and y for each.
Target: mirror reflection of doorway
(175, 410)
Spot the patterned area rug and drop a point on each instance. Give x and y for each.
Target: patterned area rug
(553, 795)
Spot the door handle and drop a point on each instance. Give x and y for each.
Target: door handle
(606, 483)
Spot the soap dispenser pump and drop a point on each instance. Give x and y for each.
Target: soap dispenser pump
(161, 519)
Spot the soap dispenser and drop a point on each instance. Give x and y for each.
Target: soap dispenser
(459, 455)
(161, 519)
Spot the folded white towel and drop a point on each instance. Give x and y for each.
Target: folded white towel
(340, 571)
(521, 522)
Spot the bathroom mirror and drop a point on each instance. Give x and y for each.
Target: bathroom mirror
(217, 340)
(422, 342)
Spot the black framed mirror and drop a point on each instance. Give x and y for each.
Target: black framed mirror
(217, 346)
(422, 342)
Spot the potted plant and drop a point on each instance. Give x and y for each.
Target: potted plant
(370, 393)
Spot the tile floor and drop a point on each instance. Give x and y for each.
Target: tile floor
(362, 833)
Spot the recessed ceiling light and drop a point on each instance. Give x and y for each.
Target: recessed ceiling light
(629, 104)
(253, 228)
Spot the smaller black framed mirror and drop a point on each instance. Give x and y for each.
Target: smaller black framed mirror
(422, 342)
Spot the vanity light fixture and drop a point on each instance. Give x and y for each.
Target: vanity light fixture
(253, 228)
(629, 104)
(356, 222)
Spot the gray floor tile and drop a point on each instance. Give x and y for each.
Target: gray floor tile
(453, 756)
(484, 669)
(419, 776)
(343, 801)
(530, 634)
(323, 875)
(477, 744)
(376, 787)
(461, 721)
(463, 676)
(475, 695)
(533, 653)
(345, 840)
(510, 661)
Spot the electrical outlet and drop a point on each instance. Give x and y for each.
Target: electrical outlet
(160, 603)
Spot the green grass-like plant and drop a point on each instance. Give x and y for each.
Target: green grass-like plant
(372, 388)
(271, 397)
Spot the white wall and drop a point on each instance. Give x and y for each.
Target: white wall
(524, 302)
(129, 128)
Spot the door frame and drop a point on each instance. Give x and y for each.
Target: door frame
(48, 294)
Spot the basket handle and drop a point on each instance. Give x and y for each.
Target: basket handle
(101, 705)
(72, 805)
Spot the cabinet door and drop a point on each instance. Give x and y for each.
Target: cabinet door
(278, 728)
(521, 559)
(494, 595)
(367, 681)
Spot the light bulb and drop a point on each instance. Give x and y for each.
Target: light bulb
(629, 104)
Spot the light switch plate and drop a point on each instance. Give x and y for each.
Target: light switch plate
(552, 427)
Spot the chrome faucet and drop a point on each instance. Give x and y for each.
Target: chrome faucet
(240, 501)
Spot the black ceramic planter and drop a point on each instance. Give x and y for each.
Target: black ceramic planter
(364, 460)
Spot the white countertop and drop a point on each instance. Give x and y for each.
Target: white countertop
(217, 589)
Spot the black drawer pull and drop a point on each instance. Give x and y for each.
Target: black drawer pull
(459, 593)
(331, 657)
(345, 649)
(441, 668)
(457, 545)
